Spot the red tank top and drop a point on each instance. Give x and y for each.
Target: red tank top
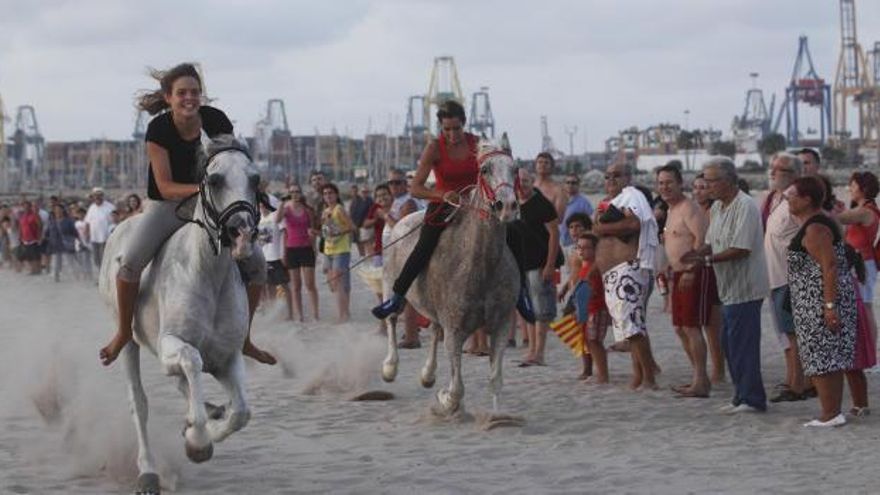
(861, 237)
(453, 175)
(597, 289)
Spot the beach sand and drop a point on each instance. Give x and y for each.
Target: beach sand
(306, 436)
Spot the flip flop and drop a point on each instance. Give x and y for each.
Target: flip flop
(524, 364)
(680, 389)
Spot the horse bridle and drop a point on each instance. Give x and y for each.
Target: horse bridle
(217, 221)
(490, 193)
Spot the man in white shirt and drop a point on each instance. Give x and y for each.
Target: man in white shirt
(98, 220)
(735, 250)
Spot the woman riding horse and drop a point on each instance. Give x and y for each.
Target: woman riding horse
(453, 158)
(173, 138)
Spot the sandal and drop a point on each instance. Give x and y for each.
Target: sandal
(860, 412)
(409, 345)
(787, 395)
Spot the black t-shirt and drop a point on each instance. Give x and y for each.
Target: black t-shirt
(534, 213)
(182, 154)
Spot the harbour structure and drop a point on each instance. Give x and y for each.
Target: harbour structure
(805, 87)
(443, 86)
(750, 127)
(856, 84)
(481, 122)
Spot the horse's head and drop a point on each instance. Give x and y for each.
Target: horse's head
(498, 179)
(228, 193)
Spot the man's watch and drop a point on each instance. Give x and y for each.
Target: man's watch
(829, 305)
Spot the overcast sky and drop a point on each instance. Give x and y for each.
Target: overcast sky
(600, 65)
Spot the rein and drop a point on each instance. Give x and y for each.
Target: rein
(219, 234)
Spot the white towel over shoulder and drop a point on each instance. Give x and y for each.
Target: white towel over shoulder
(633, 200)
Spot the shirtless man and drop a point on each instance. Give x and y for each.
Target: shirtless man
(685, 230)
(551, 190)
(625, 257)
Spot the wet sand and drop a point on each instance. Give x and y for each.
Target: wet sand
(305, 436)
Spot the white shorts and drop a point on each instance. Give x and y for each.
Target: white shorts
(626, 291)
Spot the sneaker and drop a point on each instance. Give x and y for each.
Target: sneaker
(391, 306)
(726, 408)
(838, 420)
(743, 408)
(524, 306)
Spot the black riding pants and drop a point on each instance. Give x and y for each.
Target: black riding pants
(429, 236)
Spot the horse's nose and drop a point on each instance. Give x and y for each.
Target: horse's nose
(498, 205)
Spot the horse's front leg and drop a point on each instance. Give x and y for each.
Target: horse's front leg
(389, 366)
(498, 342)
(449, 399)
(148, 480)
(428, 376)
(237, 413)
(178, 357)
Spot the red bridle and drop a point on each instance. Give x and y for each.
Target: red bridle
(487, 191)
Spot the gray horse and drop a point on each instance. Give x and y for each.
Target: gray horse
(472, 280)
(192, 308)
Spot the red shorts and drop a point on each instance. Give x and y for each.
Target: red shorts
(597, 326)
(689, 305)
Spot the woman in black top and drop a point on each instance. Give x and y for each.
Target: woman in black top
(173, 138)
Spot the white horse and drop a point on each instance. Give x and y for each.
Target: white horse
(192, 310)
(471, 282)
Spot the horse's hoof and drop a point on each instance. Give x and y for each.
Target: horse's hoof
(445, 405)
(389, 372)
(147, 484)
(428, 383)
(215, 412)
(199, 455)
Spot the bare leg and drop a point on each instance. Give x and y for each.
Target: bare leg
(600, 361)
(685, 343)
(830, 388)
(126, 296)
(254, 292)
(296, 292)
(308, 274)
(797, 383)
(858, 388)
(641, 352)
(713, 339)
(541, 329)
(700, 381)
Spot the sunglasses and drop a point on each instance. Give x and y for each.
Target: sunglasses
(613, 176)
(572, 182)
(396, 182)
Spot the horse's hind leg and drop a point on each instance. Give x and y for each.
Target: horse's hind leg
(450, 398)
(237, 414)
(148, 480)
(429, 370)
(178, 357)
(389, 366)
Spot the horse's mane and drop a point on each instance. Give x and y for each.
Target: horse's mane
(212, 145)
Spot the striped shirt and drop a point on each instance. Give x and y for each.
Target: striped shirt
(738, 225)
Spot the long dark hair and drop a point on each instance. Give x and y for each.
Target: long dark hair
(153, 102)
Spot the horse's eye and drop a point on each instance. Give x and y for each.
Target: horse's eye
(484, 170)
(215, 180)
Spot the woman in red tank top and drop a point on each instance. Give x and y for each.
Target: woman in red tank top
(453, 159)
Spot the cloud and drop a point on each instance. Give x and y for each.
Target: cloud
(596, 64)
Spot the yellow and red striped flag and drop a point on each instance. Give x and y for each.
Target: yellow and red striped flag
(569, 331)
